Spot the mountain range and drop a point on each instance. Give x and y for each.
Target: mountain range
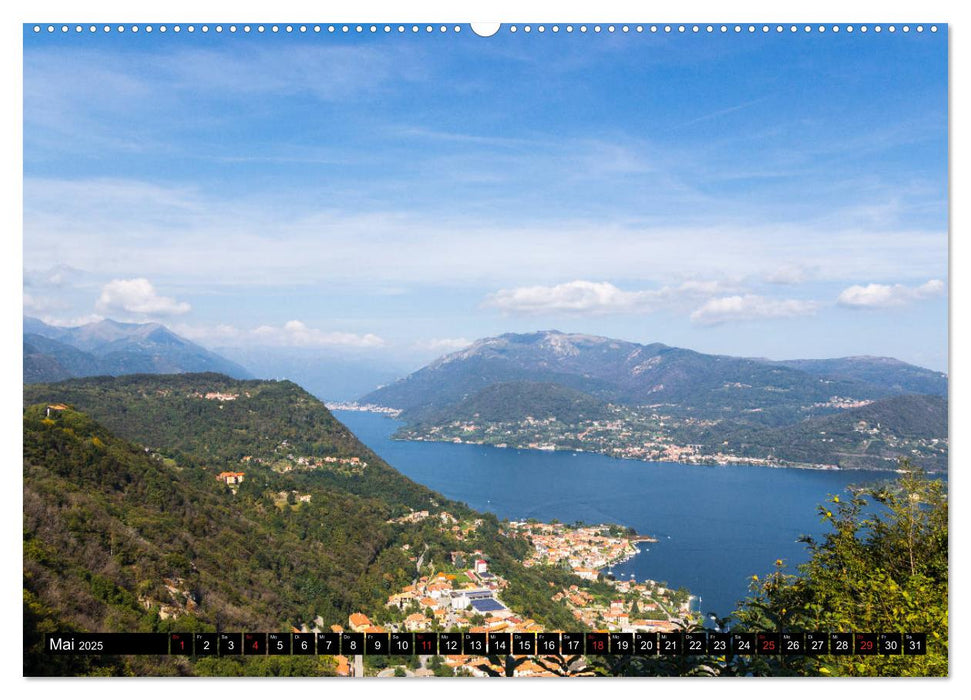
(107, 347)
(628, 373)
(554, 388)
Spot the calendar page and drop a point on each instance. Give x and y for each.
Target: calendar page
(436, 349)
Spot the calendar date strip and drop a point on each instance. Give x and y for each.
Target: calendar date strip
(200, 644)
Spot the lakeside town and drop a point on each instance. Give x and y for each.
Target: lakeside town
(631, 434)
(365, 408)
(464, 595)
(644, 435)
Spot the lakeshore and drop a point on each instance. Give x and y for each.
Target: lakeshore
(677, 456)
(715, 527)
(660, 447)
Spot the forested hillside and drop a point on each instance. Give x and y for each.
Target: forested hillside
(243, 424)
(130, 534)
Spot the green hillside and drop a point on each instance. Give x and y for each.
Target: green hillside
(254, 424)
(517, 401)
(882, 371)
(115, 539)
(131, 534)
(873, 436)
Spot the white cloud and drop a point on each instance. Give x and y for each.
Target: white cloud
(882, 296)
(572, 297)
(443, 345)
(750, 307)
(583, 297)
(137, 296)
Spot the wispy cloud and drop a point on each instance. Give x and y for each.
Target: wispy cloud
(293, 333)
(442, 345)
(86, 100)
(71, 321)
(789, 274)
(573, 297)
(884, 296)
(56, 277)
(297, 333)
(35, 305)
(750, 307)
(177, 232)
(720, 113)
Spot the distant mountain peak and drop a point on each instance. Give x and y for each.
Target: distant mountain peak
(110, 347)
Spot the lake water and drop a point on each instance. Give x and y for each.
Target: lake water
(716, 526)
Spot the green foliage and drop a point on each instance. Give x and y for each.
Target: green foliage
(867, 437)
(264, 423)
(882, 568)
(516, 401)
(265, 666)
(119, 537)
(112, 534)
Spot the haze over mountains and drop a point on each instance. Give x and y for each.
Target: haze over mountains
(329, 374)
(107, 347)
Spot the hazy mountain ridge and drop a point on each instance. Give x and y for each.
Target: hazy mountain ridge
(330, 375)
(107, 347)
(887, 371)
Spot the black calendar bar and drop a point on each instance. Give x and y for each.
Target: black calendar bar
(474, 644)
(127, 643)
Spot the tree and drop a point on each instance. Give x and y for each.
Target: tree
(883, 568)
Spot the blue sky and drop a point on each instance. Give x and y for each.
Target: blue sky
(397, 196)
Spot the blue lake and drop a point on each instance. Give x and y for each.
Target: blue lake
(716, 526)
